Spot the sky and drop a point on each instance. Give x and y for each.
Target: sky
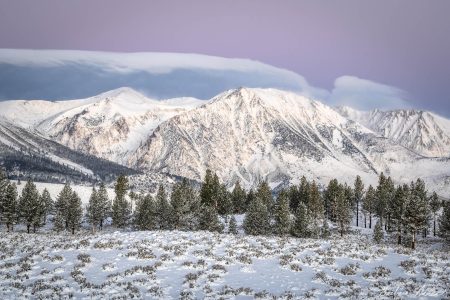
(401, 47)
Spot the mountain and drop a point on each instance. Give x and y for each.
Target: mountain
(25, 153)
(246, 134)
(110, 125)
(421, 131)
(267, 134)
(67, 74)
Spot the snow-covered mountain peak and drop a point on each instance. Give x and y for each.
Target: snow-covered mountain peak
(421, 131)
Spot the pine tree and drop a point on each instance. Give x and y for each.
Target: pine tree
(4, 183)
(378, 233)
(209, 219)
(303, 191)
(232, 226)
(444, 221)
(225, 204)
(121, 209)
(435, 205)
(265, 196)
(250, 197)
(301, 222)
(29, 204)
(145, 213)
(358, 192)
(238, 197)
(330, 197)
(369, 205)
(384, 194)
(294, 198)
(416, 211)
(257, 220)
(343, 211)
(10, 207)
(282, 214)
(185, 206)
(163, 209)
(316, 209)
(61, 208)
(93, 210)
(104, 205)
(40, 213)
(48, 202)
(74, 212)
(397, 208)
(207, 190)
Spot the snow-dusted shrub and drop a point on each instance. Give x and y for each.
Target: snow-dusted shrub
(349, 269)
(409, 265)
(84, 258)
(295, 267)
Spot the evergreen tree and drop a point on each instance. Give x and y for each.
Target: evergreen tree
(369, 205)
(316, 209)
(250, 198)
(358, 192)
(225, 204)
(343, 211)
(104, 205)
(416, 213)
(61, 208)
(121, 209)
(282, 214)
(238, 197)
(257, 220)
(265, 196)
(294, 198)
(29, 204)
(330, 197)
(145, 213)
(420, 191)
(74, 212)
(185, 206)
(301, 222)
(163, 209)
(207, 189)
(4, 183)
(209, 219)
(397, 208)
(444, 221)
(232, 227)
(303, 191)
(48, 203)
(384, 194)
(10, 207)
(378, 233)
(93, 210)
(435, 205)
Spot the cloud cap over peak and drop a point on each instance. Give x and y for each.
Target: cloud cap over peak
(366, 94)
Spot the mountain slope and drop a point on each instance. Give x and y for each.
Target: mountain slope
(24, 154)
(110, 125)
(266, 134)
(423, 132)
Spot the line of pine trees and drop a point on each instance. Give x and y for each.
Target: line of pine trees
(301, 210)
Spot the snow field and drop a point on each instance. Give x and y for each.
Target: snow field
(188, 265)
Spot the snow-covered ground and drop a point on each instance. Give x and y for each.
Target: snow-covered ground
(83, 191)
(174, 264)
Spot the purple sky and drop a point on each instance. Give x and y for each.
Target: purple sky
(400, 43)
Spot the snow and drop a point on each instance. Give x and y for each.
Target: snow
(169, 265)
(83, 191)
